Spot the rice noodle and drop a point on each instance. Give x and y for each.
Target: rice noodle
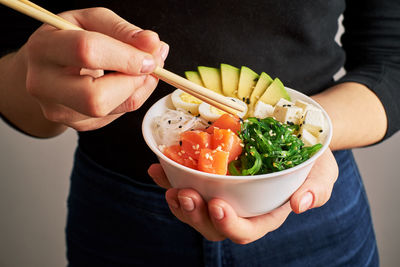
(172, 123)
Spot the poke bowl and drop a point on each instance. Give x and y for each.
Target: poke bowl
(249, 195)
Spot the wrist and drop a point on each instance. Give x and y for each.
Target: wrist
(358, 117)
(20, 108)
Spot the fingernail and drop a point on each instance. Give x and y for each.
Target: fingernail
(173, 203)
(186, 203)
(306, 201)
(164, 51)
(148, 65)
(218, 213)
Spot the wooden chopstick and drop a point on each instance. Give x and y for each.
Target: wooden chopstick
(30, 9)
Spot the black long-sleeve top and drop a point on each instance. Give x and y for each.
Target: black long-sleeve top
(292, 40)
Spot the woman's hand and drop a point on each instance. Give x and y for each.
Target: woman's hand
(64, 68)
(216, 220)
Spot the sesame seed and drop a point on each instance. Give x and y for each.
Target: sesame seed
(321, 131)
(197, 152)
(180, 143)
(169, 121)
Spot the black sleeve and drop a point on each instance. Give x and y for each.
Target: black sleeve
(372, 44)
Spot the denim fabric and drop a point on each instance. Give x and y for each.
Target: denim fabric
(115, 221)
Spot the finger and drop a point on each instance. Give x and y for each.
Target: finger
(188, 206)
(91, 50)
(113, 25)
(93, 123)
(84, 94)
(245, 230)
(109, 23)
(64, 115)
(156, 172)
(116, 27)
(317, 188)
(138, 97)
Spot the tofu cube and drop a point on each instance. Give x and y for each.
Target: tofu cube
(301, 104)
(307, 138)
(314, 122)
(263, 110)
(284, 103)
(286, 114)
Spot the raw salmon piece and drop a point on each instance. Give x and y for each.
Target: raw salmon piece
(213, 161)
(227, 141)
(175, 153)
(226, 121)
(193, 141)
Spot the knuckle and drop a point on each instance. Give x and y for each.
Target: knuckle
(33, 44)
(94, 99)
(85, 50)
(53, 115)
(121, 27)
(32, 84)
(133, 63)
(131, 104)
(96, 105)
(100, 11)
(241, 241)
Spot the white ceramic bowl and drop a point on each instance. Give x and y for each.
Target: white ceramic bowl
(248, 195)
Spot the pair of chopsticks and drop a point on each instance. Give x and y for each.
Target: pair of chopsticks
(30, 9)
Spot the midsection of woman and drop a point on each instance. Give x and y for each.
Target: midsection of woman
(286, 39)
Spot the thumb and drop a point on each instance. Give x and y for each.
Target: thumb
(317, 188)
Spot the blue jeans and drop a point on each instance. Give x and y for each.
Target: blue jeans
(115, 221)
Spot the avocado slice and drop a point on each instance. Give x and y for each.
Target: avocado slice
(262, 84)
(194, 76)
(211, 78)
(230, 79)
(247, 80)
(275, 91)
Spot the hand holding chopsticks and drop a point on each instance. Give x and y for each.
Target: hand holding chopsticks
(28, 8)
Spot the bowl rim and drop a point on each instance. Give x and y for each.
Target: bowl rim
(150, 141)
